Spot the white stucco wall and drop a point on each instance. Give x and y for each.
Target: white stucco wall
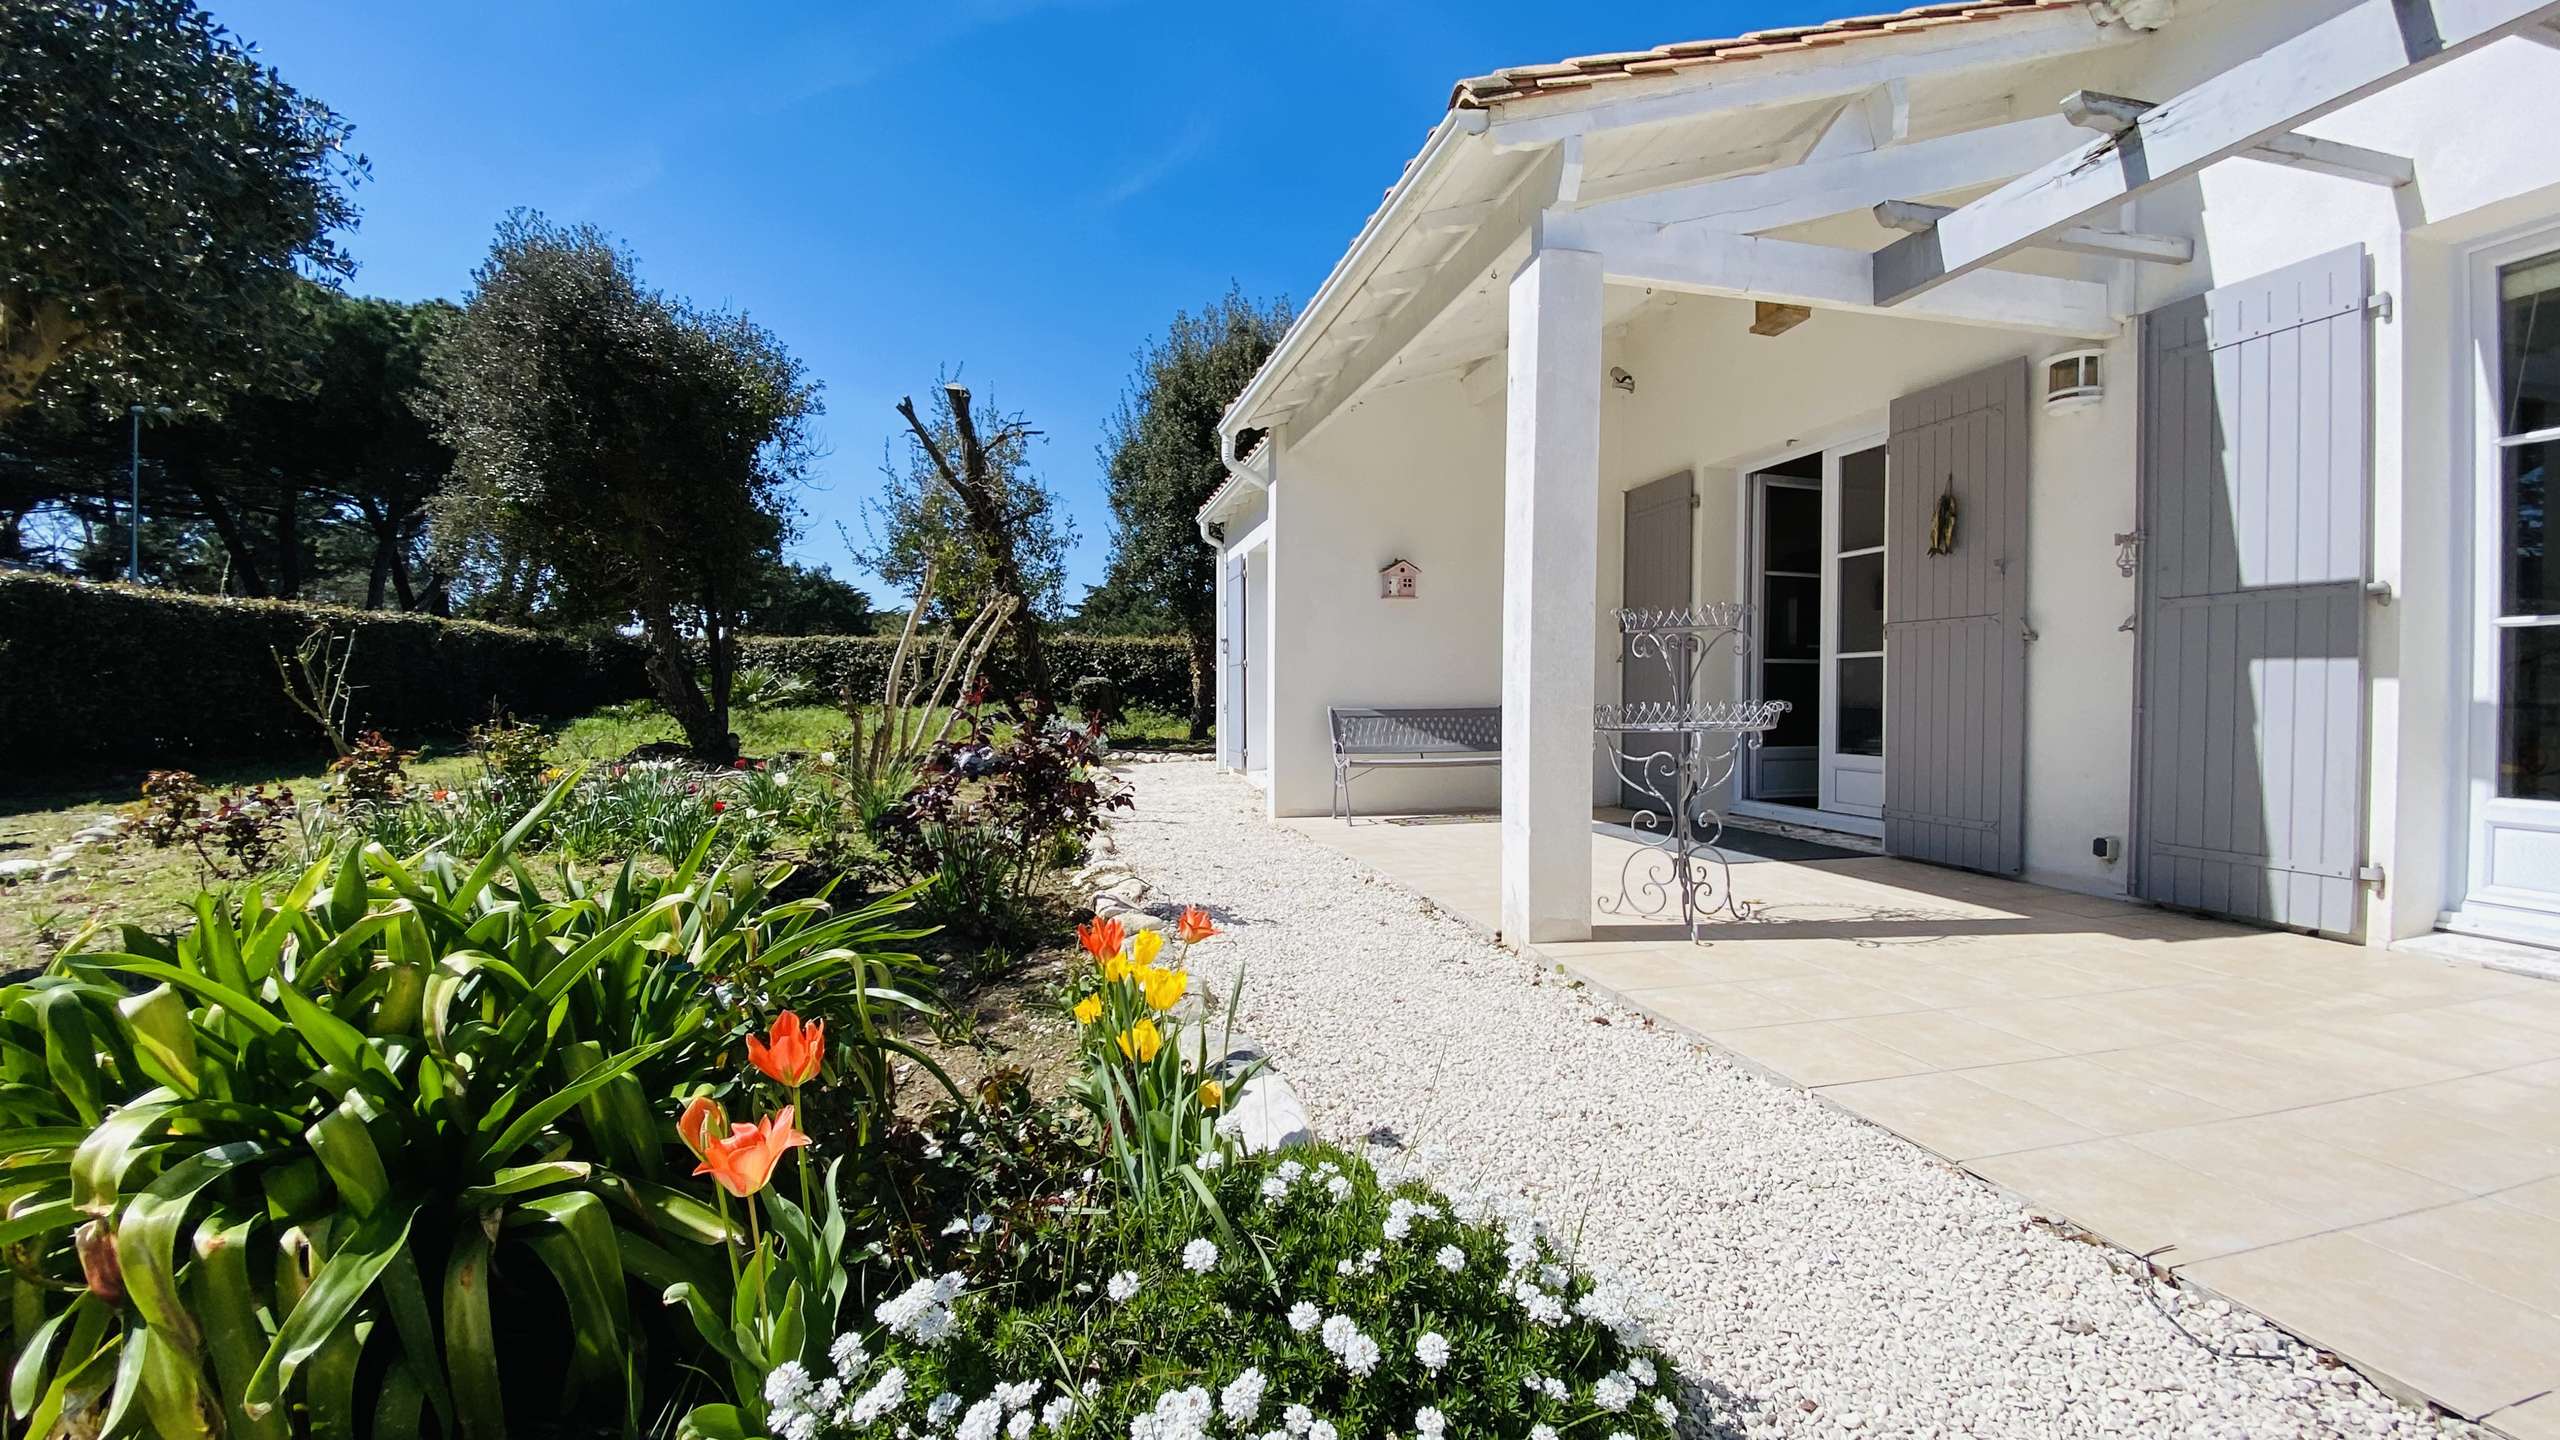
(1415, 473)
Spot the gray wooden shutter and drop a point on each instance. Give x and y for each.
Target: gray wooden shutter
(2254, 467)
(1956, 625)
(1656, 576)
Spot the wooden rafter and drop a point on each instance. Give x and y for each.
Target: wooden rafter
(1697, 261)
(1846, 183)
(2365, 48)
(2077, 239)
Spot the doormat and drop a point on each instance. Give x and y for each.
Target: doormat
(1471, 817)
(1761, 845)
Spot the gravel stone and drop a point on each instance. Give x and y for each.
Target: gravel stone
(1816, 1275)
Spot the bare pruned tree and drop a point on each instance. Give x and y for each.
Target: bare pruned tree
(982, 502)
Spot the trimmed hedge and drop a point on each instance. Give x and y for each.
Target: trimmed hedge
(111, 672)
(1153, 672)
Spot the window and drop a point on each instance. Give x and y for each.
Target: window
(2527, 618)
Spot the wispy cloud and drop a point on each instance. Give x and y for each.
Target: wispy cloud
(1186, 147)
(875, 40)
(614, 177)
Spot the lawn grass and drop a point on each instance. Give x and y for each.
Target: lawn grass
(132, 882)
(617, 730)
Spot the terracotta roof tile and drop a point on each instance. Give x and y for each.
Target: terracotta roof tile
(1521, 81)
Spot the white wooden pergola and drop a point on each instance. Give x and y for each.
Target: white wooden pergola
(1561, 247)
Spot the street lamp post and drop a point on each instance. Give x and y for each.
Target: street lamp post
(134, 570)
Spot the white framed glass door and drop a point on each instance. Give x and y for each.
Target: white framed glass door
(1817, 552)
(2514, 880)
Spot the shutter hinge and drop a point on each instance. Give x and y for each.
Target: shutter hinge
(2378, 591)
(2378, 304)
(2370, 877)
(2027, 632)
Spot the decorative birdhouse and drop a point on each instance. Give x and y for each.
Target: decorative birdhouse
(1400, 580)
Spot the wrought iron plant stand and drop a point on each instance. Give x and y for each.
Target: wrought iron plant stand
(1700, 745)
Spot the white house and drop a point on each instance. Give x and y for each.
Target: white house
(2238, 384)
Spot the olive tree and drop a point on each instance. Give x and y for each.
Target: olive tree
(636, 453)
(162, 193)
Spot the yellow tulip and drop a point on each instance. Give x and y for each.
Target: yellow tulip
(1163, 987)
(1144, 947)
(1088, 1009)
(1212, 1094)
(1118, 968)
(1141, 1041)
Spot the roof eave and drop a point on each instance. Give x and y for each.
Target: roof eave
(1385, 225)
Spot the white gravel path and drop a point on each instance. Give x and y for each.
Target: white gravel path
(1822, 1277)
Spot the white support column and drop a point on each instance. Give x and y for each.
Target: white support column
(1550, 585)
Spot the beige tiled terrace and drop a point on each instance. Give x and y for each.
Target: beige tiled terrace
(2365, 1147)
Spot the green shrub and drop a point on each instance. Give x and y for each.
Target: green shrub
(235, 833)
(985, 823)
(392, 1151)
(372, 772)
(1152, 672)
(513, 754)
(1383, 1309)
(111, 672)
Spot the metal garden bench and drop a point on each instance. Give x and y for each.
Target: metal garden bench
(1371, 737)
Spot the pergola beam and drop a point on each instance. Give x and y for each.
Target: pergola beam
(2365, 48)
(1820, 188)
(2078, 239)
(2115, 114)
(1697, 261)
(2333, 157)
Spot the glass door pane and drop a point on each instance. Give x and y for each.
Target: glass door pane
(2528, 610)
(1790, 640)
(1857, 693)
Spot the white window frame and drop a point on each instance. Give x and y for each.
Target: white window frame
(2482, 905)
(1828, 755)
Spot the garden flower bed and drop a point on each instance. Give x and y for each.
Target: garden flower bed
(421, 1138)
(1305, 1297)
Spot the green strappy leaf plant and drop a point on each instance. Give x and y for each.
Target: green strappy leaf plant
(392, 1152)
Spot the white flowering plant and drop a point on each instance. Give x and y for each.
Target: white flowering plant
(1333, 1306)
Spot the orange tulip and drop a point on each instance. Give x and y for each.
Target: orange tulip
(795, 1052)
(1193, 925)
(702, 1121)
(1100, 937)
(743, 1160)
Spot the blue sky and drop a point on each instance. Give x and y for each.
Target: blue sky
(1021, 188)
